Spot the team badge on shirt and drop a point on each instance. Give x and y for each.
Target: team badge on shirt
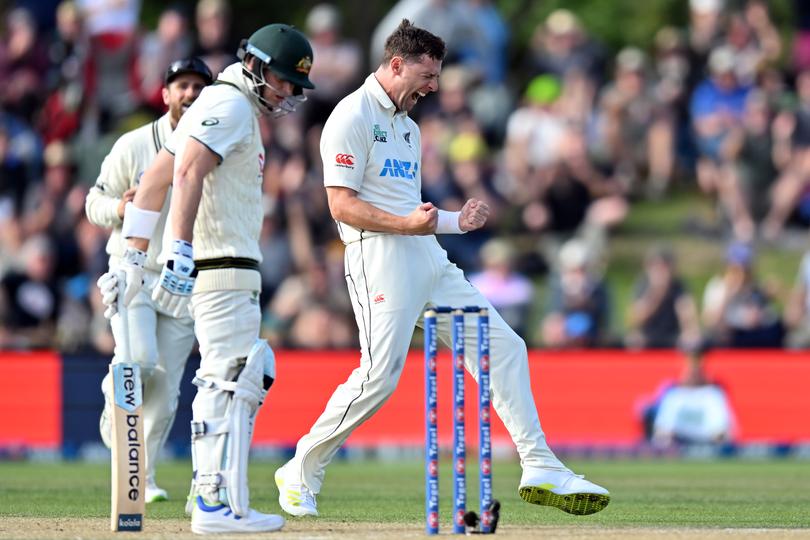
(380, 135)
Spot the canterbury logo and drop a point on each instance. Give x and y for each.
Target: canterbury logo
(345, 159)
(379, 299)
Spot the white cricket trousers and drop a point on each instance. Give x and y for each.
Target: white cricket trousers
(160, 346)
(227, 326)
(392, 279)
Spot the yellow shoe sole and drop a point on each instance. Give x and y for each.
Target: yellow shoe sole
(578, 504)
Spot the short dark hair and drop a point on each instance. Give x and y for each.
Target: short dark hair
(411, 42)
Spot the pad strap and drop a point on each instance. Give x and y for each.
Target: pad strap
(206, 428)
(214, 384)
(212, 479)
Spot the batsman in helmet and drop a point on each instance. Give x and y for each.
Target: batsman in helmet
(214, 163)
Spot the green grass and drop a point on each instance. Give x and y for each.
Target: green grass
(722, 494)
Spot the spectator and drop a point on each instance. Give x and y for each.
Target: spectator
(561, 46)
(663, 313)
(704, 34)
(737, 311)
(339, 64)
(29, 299)
(20, 162)
(790, 198)
(67, 50)
(309, 296)
(68, 57)
(693, 411)
(508, 290)
(750, 151)
(636, 131)
(575, 198)
(112, 27)
(23, 65)
(578, 313)
(45, 208)
(470, 174)
(158, 49)
(717, 108)
(672, 76)
(534, 137)
(754, 41)
(214, 43)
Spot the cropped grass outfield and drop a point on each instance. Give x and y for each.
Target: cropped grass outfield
(646, 494)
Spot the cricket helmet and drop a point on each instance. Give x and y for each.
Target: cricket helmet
(286, 52)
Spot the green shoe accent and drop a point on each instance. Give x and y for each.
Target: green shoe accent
(157, 498)
(579, 504)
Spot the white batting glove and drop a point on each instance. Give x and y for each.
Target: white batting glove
(176, 282)
(127, 277)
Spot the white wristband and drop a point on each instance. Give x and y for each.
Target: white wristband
(139, 223)
(448, 223)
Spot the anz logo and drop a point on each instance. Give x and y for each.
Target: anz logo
(402, 169)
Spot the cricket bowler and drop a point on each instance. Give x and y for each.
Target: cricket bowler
(395, 268)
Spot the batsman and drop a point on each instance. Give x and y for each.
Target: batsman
(395, 268)
(214, 162)
(160, 341)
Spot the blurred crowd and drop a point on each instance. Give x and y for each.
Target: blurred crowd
(560, 147)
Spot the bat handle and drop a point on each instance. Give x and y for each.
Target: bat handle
(123, 324)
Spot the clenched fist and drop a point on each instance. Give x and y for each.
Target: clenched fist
(422, 220)
(473, 215)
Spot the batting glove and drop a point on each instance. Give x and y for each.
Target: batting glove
(127, 277)
(176, 282)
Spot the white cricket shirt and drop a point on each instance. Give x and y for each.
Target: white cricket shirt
(229, 218)
(370, 147)
(122, 169)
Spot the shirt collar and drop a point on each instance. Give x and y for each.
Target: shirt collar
(374, 87)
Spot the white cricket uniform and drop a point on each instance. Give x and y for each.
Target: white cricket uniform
(371, 148)
(160, 343)
(225, 301)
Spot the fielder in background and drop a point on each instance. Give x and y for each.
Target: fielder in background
(161, 342)
(214, 162)
(395, 268)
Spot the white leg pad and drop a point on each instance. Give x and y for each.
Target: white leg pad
(247, 393)
(259, 374)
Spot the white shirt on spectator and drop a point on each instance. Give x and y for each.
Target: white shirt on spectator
(698, 414)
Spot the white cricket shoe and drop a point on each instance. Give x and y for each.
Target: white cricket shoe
(562, 489)
(218, 518)
(294, 497)
(155, 494)
(104, 422)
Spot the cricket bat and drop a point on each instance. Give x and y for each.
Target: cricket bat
(128, 474)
